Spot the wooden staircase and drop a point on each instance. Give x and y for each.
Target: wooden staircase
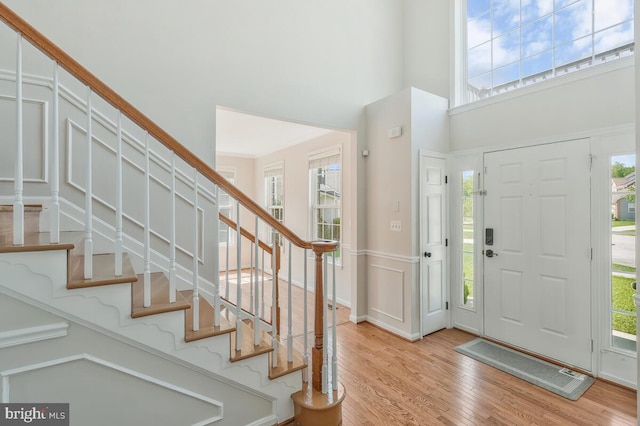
(103, 275)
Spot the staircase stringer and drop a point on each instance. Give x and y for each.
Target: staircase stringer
(99, 309)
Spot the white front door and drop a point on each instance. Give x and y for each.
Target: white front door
(537, 269)
(433, 244)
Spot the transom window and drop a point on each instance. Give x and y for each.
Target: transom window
(515, 43)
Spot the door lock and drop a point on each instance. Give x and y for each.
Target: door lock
(490, 253)
(427, 254)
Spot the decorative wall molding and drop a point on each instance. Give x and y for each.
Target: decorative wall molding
(33, 334)
(70, 181)
(44, 140)
(393, 256)
(7, 374)
(384, 281)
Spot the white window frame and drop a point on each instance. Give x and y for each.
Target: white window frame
(271, 172)
(458, 88)
(323, 159)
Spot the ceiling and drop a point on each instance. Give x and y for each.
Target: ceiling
(247, 135)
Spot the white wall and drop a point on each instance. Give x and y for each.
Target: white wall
(574, 105)
(426, 51)
(314, 61)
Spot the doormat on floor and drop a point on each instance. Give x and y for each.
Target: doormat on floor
(559, 380)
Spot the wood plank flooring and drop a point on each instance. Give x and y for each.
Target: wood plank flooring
(390, 381)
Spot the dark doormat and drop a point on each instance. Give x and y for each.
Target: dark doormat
(559, 380)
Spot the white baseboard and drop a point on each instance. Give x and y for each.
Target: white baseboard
(401, 333)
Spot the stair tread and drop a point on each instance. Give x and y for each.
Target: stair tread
(207, 329)
(103, 271)
(39, 241)
(159, 297)
(285, 367)
(248, 348)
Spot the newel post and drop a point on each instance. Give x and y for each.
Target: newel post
(319, 249)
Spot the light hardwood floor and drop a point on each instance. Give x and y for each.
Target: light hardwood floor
(390, 381)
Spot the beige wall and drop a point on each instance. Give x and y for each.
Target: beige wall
(296, 201)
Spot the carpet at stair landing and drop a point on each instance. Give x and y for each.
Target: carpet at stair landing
(558, 380)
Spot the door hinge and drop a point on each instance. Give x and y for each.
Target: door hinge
(446, 242)
(483, 192)
(446, 306)
(591, 254)
(592, 345)
(485, 170)
(591, 161)
(446, 179)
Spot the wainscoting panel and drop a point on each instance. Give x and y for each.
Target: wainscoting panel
(386, 291)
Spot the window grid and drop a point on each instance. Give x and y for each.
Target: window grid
(488, 73)
(326, 203)
(274, 192)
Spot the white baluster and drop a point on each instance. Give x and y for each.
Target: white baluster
(172, 237)
(239, 280)
(334, 341)
(305, 372)
(216, 264)
(54, 210)
(274, 328)
(226, 273)
(251, 278)
(147, 224)
(289, 311)
(196, 285)
(119, 232)
(262, 288)
(88, 199)
(18, 201)
(256, 316)
(325, 329)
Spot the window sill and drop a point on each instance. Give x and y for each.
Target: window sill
(545, 85)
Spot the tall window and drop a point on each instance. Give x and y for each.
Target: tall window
(514, 43)
(325, 176)
(225, 206)
(623, 254)
(468, 280)
(274, 197)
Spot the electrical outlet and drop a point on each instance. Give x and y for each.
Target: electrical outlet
(396, 226)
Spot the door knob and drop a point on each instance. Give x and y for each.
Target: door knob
(427, 254)
(490, 253)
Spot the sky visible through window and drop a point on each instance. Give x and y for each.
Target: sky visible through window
(515, 39)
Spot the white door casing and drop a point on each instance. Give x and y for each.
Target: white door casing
(537, 285)
(433, 244)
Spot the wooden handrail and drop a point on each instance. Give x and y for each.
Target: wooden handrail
(97, 86)
(246, 233)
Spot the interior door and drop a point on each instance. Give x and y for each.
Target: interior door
(433, 243)
(537, 266)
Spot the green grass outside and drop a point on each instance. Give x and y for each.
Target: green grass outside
(615, 223)
(622, 268)
(622, 299)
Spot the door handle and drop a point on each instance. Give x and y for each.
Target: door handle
(490, 253)
(427, 254)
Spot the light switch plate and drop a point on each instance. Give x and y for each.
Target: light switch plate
(396, 226)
